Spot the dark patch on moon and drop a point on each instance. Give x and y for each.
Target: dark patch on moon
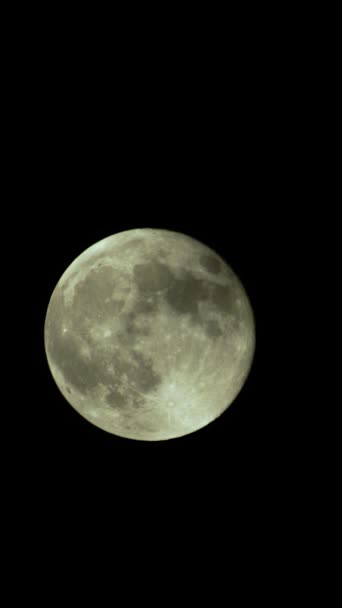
(223, 298)
(143, 306)
(115, 306)
(143, 374)
(84, 373)
(212, 329)
(137, 401)
(185, 293)
(236, 323)
(210, 263)
(105, 366)
(134, 327)
(130, 321)
(141, 377)
(127, 337)
(64, 349)
(77, 371)
(115, 399)
(152, 276)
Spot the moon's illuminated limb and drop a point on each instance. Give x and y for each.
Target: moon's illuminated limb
(149, 334)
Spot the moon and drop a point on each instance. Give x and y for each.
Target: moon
(149, 334)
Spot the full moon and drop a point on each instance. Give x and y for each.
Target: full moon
(149, 334)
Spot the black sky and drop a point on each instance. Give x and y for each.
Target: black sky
(217, 128)
(212, 158)
(212, 129)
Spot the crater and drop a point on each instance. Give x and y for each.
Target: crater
(152, 276)
(212, 329)
(210, 263)
(115, 399)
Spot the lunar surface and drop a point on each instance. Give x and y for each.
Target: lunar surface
(149, 334)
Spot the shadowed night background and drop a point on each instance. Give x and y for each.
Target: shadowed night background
(177, 164)
(211, 139)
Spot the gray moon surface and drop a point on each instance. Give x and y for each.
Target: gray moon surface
(149, 334)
